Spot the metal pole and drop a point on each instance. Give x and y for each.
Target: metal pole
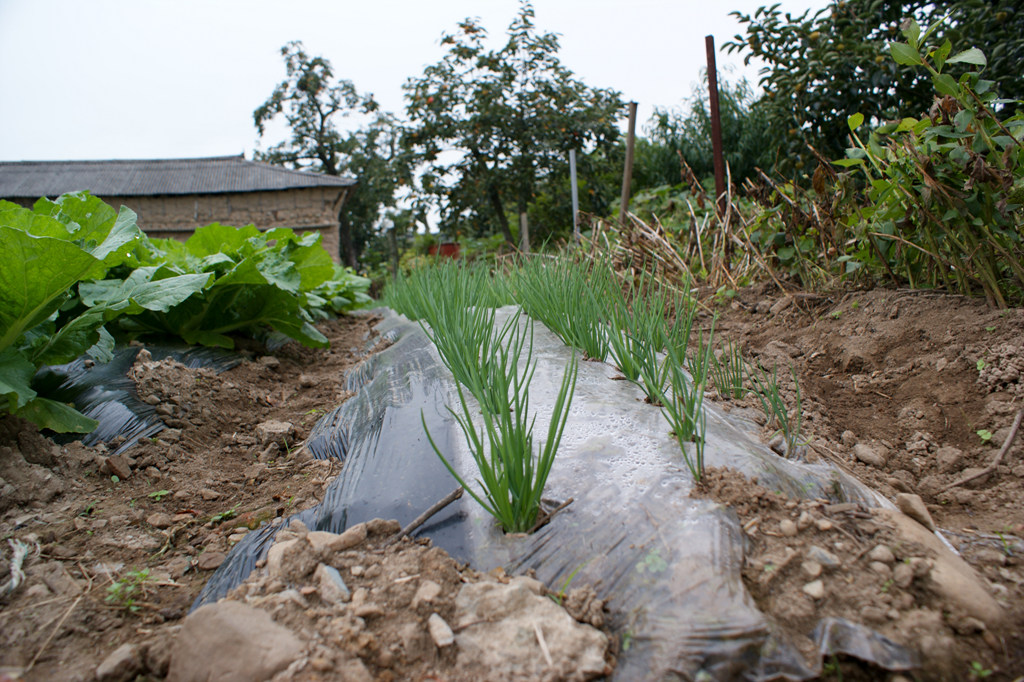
(716, 134)
(575, 196)
(627, 173)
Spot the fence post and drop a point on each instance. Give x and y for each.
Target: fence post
(716, 145)
(627, 172)
(575, 197)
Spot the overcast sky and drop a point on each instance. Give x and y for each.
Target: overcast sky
(137, 79)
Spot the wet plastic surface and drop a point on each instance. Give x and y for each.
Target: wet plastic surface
(668, 564)
(104, 392)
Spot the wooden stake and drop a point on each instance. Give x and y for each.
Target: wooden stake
(627, 172)
(716, 141)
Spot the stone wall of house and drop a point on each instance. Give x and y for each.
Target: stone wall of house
(303, 210)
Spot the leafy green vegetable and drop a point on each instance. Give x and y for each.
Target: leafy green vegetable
(222, 280)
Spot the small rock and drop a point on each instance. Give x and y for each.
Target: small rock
(968, 625)
(209, 494)
(881, 569)
(989, 556)
(903, 575)
(275, 431)
(159, 520)
(811, 569)
(763, 306)
(291, 560)
(787, 528)
(152, 399)
(914, 507)
(849, 438)
(270, 361)
(307, 381)
(805, 520)
(948, 458)
(824, 557)
(231, 640)
(165, 410)
(814, 589)
(778, 445)
(970, 472)
(122, 665)
(921, 566)
(823, 525)
(427, 592)
(170, 435)
(117, 465)
(332, 586)
(209, 561)
(181, 495)
(883, 554)
(781, 305)
(440, 631)
(532, 584)
(357, 571)
(869, 455)
(873, 614)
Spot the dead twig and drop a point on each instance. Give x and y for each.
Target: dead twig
(550, 515)
(996, 462)
(422, 518)
(60, 623)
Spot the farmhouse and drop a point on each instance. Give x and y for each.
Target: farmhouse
(174, 196)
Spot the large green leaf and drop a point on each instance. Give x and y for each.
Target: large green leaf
(59, 417)
(905, 54)
(217, 238)
(139, 291)
(16, 374)
(35, 273)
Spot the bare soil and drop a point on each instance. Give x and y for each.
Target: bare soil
(892, 390)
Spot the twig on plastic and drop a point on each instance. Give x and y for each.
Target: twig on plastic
(422, 518)
(550, 515)
(996, 462)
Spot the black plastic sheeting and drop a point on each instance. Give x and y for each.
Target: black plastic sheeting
(668, 564)
(103, 391)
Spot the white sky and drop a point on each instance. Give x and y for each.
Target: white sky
(127, 79)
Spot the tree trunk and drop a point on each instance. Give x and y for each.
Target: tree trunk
(499, 212)
(346, 248)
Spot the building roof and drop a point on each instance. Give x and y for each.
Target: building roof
(154, 177)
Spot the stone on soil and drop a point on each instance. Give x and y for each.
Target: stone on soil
(275, 431)
(123, 664)
(231, 642)
(440, 631)
(208, 561)
(869, 455)
(332, 586)
(814, 589)
(950, 576)
(117, 465)
(914, 507)
(824, 557)
(508, 614)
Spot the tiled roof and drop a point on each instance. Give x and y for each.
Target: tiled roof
(125, 178)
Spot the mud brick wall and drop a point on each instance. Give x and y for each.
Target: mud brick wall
(303, 210)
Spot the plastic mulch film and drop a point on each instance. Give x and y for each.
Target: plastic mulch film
(104, 392)
(669, 564)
